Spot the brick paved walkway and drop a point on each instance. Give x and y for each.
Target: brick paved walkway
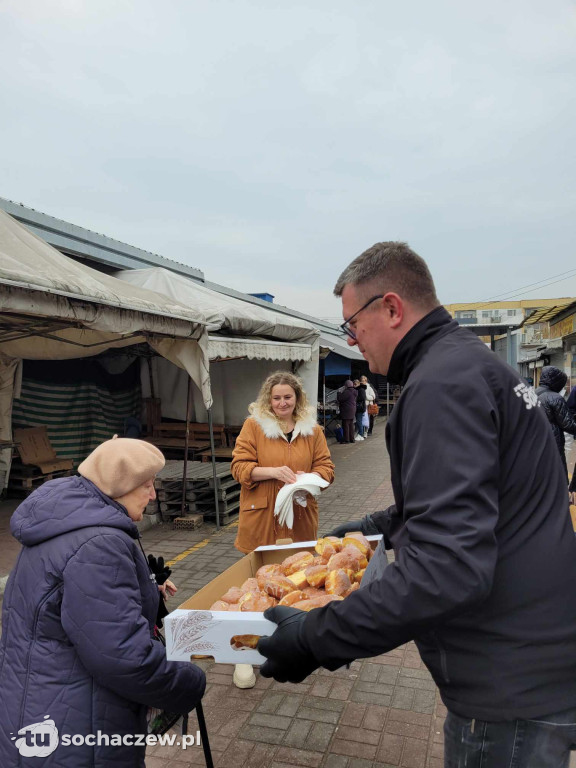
(381, 712)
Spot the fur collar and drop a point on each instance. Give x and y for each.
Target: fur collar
(272, 429)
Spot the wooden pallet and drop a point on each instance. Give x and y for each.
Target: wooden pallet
(224, 508)
(26, 483)
(198, 475)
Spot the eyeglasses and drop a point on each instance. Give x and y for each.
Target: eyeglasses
(346, 324)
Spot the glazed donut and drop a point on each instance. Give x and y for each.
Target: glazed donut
(350, 557)
(353, 588)
(256, 602)
(233, 595)
(293, 597)
(358, 540)
(297, 562)
(268, 570)
(239, 642)
(337, 582)
(313, 592)
(220, 605)
(277, 586)
(316, 575)
(316, 602)
(250, 585)
(327, 547)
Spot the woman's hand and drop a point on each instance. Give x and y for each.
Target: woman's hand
(285, 475)
(169, 587)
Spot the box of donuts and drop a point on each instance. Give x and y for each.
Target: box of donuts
(225, 618)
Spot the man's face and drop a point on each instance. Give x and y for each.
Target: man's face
(375, 338)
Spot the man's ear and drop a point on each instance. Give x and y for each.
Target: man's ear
(394, 309)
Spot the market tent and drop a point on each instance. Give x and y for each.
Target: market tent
(224, 314)
(54, 308)
(250, 340)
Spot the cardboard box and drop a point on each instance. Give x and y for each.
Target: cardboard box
(192, 629)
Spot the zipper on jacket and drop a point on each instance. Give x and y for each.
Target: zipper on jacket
(39, 607)
(443, 657)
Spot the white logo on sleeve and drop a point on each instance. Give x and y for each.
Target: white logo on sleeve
(38, 740)
(527, 394)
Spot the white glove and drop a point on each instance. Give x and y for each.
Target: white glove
(284, 507)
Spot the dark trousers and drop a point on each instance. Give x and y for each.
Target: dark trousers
(544, 742)
(371, 427)
(348, 429)
(359, 427)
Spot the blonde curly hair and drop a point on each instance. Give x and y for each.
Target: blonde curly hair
(263, 405)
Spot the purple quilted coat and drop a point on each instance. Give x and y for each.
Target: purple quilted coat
(77, 631)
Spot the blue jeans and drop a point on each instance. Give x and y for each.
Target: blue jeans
(359, 427)
(544, 742)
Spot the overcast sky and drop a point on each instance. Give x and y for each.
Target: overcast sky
(268, 143)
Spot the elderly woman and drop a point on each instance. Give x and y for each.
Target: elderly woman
(279, 440)
(78, 637)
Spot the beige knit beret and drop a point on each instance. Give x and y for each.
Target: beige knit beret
(120, 465)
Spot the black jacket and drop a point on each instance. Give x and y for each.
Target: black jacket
(361, 402)
(555, 407)
(484, 578)
(347, 402)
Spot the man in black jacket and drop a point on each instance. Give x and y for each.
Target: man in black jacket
(552, 380)
(484, 578)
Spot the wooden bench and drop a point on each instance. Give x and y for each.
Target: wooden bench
(196, 432)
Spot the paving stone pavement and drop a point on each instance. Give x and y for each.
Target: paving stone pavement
(382, 712)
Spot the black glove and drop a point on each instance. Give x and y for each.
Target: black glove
(369, 525)
(289, 658)
(364, 525)
(161, 572)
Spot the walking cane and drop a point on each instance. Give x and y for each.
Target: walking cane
(203, 733)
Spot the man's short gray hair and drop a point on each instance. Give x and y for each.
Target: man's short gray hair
(391, 266)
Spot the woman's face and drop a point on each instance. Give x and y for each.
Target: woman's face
(137, 500)
(363, 380)
(283, 400)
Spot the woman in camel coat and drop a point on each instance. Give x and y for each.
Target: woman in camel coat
(279, 440)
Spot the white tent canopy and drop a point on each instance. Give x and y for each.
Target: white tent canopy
(254, 341)
(55, 308)
(224, 314)
(337, 344)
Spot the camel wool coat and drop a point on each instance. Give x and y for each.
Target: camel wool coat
(261, 443)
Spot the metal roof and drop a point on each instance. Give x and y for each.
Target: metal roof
(73, 240)
(547, 314)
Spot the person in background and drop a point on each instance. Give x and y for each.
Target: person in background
(571, 402)
(484, 576)
(279, 440)
(347, 397)
(360, 409)
(370, 402)
(571, 405)
(78, 635)
(552, 381)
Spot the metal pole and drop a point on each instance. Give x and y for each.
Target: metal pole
(186, 440)
(151, 377)
(387, 401)
(324, 395)
(216, 505)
